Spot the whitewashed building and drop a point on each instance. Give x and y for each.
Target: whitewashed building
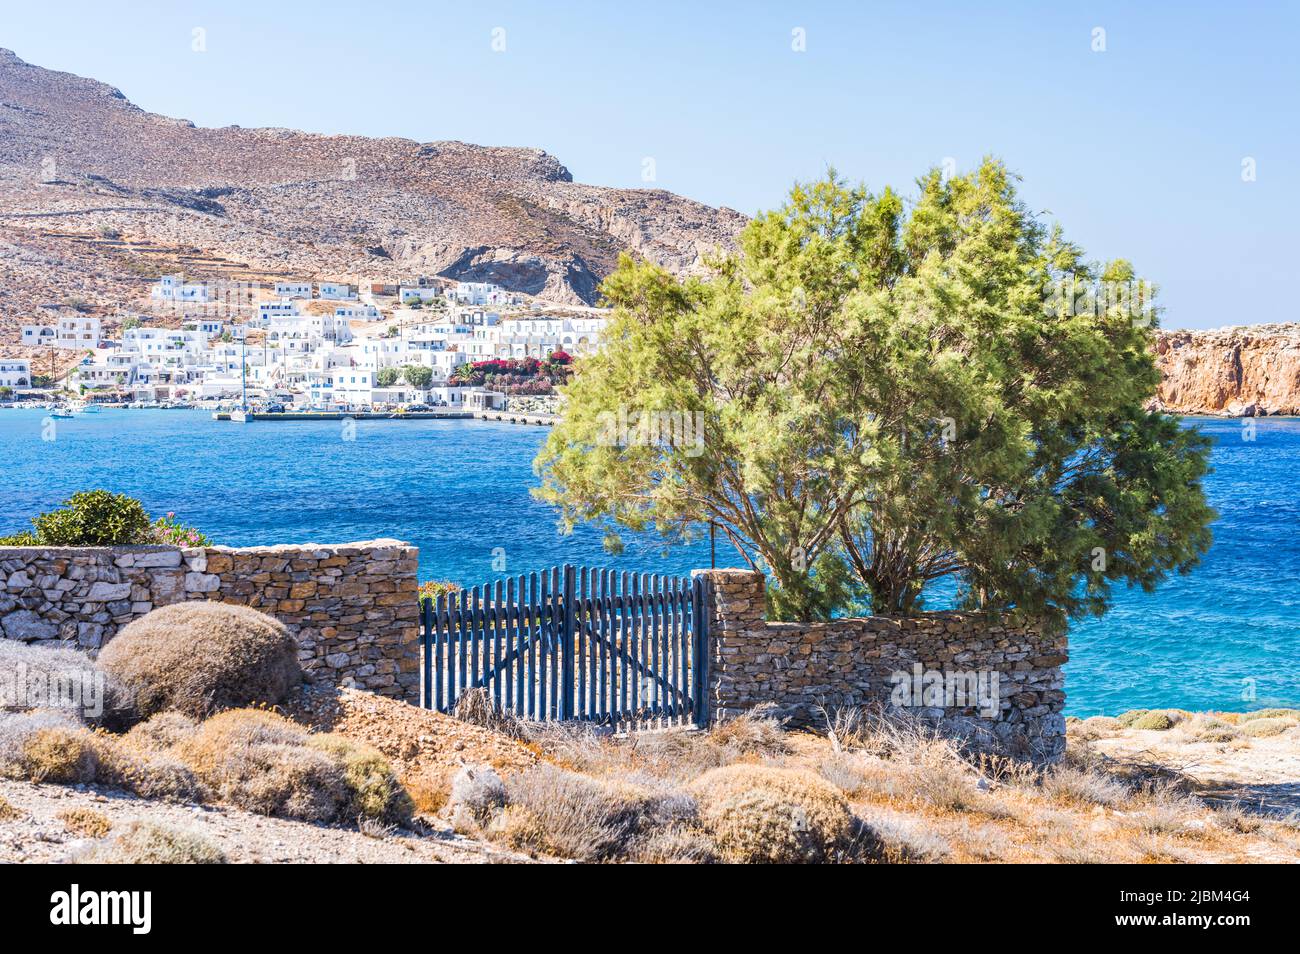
(337, 291)
(293, 289)
(15, 373)
(34, 336)
(77, 332)
(175, 288)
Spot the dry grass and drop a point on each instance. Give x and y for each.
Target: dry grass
(200, 657)
(142, 843)
(86, 822)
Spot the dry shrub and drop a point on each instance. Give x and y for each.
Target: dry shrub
(1291, 714)
(845, 772)
(150, 774)
(574, 816)
(475, 707)
(761, 814)
(1266, 727)
(517, 828)
(1073, 785)
(477, 795)
(46, 745)
(429, 791)
(261, 762)
(376, 794)
(1094, 727)
(8, 812)
(757, 731)
(899, 840)
(1210, 729)
(200, 657)
(146, 843)
(161, 732)
(60, 678)
(1154, 720)
(676, 755)
(85, 821)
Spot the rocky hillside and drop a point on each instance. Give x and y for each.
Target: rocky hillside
(79, 163)
(1248, 370)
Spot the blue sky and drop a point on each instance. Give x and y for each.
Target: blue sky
(1137, 150)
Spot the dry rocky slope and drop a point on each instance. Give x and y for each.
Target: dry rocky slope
(78, 160)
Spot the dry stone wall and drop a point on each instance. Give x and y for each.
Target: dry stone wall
(1009, 676)
(352, 608)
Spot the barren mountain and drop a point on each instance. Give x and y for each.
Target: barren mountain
(80, 164)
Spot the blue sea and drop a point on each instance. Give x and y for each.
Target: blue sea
(1227, 636)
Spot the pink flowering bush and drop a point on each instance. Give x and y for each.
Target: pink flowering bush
(171, 531)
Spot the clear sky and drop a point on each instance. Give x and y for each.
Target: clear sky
(1138, 149)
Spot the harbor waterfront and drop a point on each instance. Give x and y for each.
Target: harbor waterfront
(1227, 636)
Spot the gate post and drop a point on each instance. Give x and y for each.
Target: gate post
(567, 642)
(734, 614)
(702, 603)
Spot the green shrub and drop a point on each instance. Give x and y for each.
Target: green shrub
(199, 657)
(1126, 719)
(1154, 719)
(376, 793)
(93, 518)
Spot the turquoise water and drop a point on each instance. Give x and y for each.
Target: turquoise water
(1227, 636)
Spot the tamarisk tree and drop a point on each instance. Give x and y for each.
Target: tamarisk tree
(867, 399)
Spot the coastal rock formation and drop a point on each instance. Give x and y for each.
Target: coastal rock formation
(82, 169)
(1243, 371)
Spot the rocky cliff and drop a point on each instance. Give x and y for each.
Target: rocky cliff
(1242, 371)
(78, 162)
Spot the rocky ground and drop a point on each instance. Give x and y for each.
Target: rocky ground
(1162, 786)
(31, 830)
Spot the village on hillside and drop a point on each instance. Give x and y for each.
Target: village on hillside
(302, 345)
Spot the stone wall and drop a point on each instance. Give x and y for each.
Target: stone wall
(352, 607)
(801, 666)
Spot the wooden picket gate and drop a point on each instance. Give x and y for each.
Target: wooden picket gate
(596, 645)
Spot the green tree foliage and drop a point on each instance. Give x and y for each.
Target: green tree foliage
(418, 376)
(90, 518)
(875, 399)
(386, 377)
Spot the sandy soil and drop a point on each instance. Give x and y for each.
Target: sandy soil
(38, 835)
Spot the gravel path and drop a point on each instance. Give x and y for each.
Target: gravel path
(38, 835)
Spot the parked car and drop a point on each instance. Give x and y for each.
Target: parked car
(275, 409)
(418, 407)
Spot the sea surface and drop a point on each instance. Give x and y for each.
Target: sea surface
(1227, 636)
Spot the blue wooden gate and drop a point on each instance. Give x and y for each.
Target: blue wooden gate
(596, 645)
